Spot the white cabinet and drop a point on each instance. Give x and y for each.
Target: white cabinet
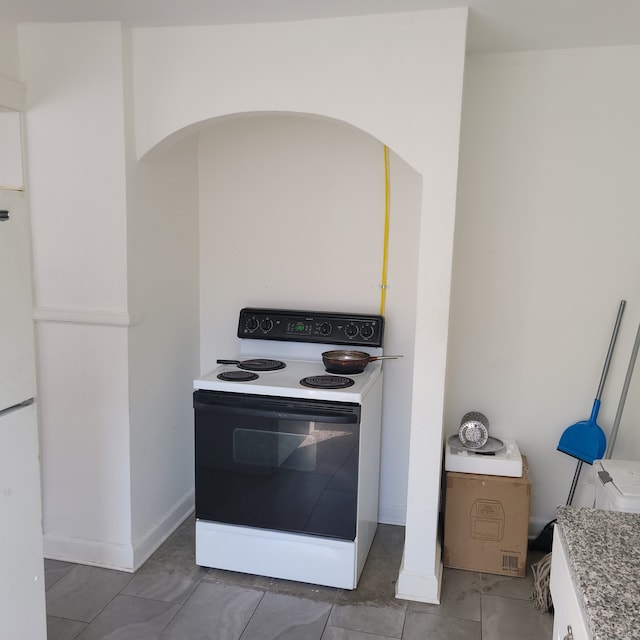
(569, 619)
(22, 592)
(17, 359)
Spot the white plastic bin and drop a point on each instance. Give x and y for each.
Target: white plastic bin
(506, 462)
(617, 485)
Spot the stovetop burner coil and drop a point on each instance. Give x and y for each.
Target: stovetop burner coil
(327, 382)
(238, 376)
(261, 364)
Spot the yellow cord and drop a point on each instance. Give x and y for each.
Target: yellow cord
(385, 251)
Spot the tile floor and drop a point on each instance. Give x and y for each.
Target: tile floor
(170, 598)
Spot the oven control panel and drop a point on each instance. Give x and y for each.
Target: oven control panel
(311, 326)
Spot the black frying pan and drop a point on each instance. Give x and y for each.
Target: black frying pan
(346, 361)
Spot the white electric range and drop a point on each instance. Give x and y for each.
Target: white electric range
(287, 455)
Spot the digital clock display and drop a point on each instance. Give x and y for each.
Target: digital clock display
(299, 328)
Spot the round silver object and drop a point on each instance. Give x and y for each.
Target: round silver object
(474, 430)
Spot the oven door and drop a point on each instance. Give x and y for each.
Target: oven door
(277, 463)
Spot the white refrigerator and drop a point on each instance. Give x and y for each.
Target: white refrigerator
(22, 600)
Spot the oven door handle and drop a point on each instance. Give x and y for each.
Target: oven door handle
(281, 412)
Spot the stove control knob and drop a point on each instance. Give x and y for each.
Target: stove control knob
(266, 325)
(351, 330)
(325, 329)
(366, 331)
(251, 325)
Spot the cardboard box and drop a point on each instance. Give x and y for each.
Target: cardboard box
(486, 522)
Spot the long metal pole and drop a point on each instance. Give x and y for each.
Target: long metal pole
(623, 396)
(603, 377)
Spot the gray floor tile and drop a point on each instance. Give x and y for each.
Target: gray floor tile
(509, 618)
(273, 585)
(54, 570)
(84, 591)
(377, 584)
(161, 586)
(177, 554)
(171, 598)
(214, 612)
(385, 621)
(335, 633)
(459, 596)
(61, 629)
(280, 617)
(419, 626)
(520, 588)
(511, 587)
(389, 539)
(129, 618)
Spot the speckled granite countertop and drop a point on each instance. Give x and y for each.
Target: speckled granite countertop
(603, 550)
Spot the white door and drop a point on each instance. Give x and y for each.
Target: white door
(17, 369)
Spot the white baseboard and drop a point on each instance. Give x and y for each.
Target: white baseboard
(122, 557)
(146, 545)
(92, 552)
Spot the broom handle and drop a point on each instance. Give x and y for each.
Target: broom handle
(596, 404)
(574, 484)
(607, 361)
(623, 396)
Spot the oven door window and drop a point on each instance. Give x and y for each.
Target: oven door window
(280, 450)
(277, 463)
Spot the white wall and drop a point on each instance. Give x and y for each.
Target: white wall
(378, 73)
(546, 246)
(116, 294)
(11, 91)
(11, 97)
(75, 133)
(83, 382)
(292, 215)
(163, 347)
(75, 120)
(9, 66)
(162, 239)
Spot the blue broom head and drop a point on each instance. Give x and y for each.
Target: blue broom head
(583, 440)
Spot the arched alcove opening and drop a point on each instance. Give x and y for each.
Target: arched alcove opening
(290, 213)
